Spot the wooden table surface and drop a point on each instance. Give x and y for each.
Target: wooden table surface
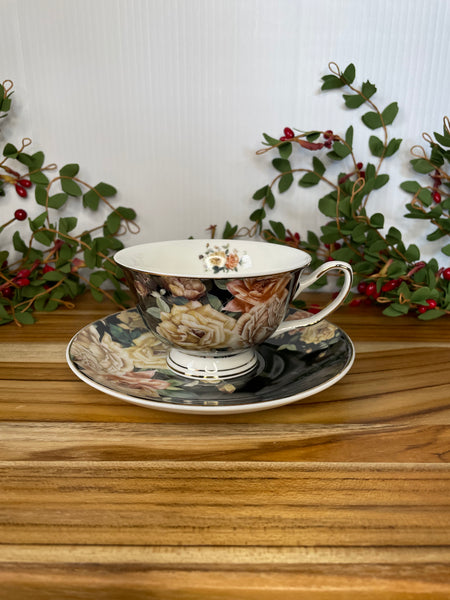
(342, 495)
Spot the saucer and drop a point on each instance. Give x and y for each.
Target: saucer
(120, 357)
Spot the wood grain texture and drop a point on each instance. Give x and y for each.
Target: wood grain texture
(345, 494)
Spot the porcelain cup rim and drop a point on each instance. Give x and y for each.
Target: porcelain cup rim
(290, 258)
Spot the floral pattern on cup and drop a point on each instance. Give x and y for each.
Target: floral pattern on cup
(218, 314)
(223, 259)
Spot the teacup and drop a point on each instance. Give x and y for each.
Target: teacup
(214, 301)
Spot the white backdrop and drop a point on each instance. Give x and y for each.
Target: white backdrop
(167, 99)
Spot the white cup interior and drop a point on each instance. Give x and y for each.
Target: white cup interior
(193, 258)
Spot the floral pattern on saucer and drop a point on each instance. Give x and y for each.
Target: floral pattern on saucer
(119, 354)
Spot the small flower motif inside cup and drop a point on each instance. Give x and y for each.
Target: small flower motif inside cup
(223, 259)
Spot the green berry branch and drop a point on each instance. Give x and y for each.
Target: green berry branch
(387, 272)
(57, 263)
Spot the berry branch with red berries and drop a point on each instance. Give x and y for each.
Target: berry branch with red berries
(387, 272)
(56, 264)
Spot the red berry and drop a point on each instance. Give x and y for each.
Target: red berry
(389, 285)
(362, 285)
(337, 245)
(26, 183)
(8, 293)
(22, 273)
(21, 191)
(359, 166)
(437, 197)
(422, 309)
(283, 138)
(355, 302)
(314, 309)
(328, 134)
(20, 214)
(289, 133)
(446, 274)
(328, 144)
(371, 289)
(362, 174)
(431, 303)
(48, 268)
(22, 282)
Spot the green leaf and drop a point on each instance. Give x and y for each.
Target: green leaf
(309, 179)
(313, 240)
(112, 223)
(278, 229)
(67, 224)
(353, 100)
(376, 145)
(91, 200)
(38, 222)
(285, 150)
(285, 183)
(39, 178)
(377, 220)
(372, 120)
(327, 206)
(57, 200)
(393, 146)
(128, 214)
(18, 243)
(446, 250)
(412, 253)
(70, 170)
(380, 180)
(331, 82)
(396, 310)
(344, 254)
(104, 189)
(71, 187)
(40, 194)
(26, 318)
(44, 237)
(270, 140)
(53, 276)
(318, 166)
(261, 193)
(432, 314)
(341, 149)
(389, 113)
(349, 136)
(282, 165)
(258, 215)
(410, 186)
(229, 230)
(368, 89)
(10, 151)
(349, 74)
(270, 198)
(421, 165)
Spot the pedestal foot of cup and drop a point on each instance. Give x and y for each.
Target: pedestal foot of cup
(211, 367)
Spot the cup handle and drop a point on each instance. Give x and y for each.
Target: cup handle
(305, 282)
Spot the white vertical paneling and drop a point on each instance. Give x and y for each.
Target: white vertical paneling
(167, 99)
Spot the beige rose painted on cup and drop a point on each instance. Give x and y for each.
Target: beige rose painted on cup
(192, 289)
(106, 356)
(147, 352)
(194, 326)
(251, 291)
(261, 320)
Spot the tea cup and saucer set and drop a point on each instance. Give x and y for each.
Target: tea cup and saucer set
(212, 331)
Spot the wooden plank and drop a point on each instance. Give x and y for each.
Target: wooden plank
(281, 442)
